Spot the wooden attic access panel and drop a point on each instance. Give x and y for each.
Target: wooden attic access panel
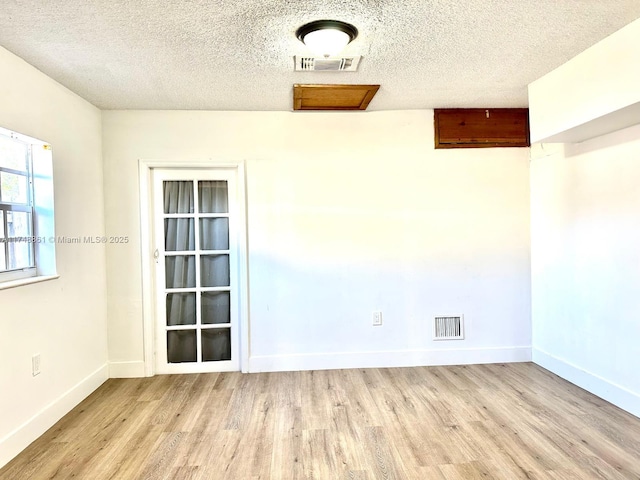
(333, 97)
(481, 127)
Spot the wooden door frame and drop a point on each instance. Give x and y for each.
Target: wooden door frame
(145, 171)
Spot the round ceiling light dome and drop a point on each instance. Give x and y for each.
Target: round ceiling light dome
(326, 38)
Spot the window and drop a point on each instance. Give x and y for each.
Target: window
(27, 241)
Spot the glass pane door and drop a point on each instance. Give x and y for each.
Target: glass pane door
(197, 293)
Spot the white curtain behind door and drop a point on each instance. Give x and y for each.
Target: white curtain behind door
(180, 270)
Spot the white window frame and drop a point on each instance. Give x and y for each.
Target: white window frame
(40, 205)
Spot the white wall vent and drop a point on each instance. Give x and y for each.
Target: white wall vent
(337, 64)
(448, 328)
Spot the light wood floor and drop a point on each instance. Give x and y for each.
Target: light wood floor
(468, 422)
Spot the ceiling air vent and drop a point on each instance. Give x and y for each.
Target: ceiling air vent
(448, 328)
(334, 64)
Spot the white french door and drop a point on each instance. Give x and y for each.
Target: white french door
(197, 270)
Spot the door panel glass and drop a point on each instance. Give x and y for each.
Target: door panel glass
(214, 270)
(214, 233)
(213, 196)
(179, 234)
(216, 307)
(181, 309)
(181, 346)
(216, 345)
(180, 271)
(193, 220)
(178, 196)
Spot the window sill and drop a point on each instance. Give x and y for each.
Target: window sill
(27, 281)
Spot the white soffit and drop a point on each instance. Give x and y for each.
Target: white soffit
(231, 55)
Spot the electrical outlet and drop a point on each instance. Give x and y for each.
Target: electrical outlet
(377, 319)
(35, 364)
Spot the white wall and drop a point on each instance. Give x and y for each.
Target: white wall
(347, 213)
(585, 229)
(585, 205)
(64, 319)
(592, 94)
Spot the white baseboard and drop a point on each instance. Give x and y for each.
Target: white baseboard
(603, 388)
(401, 358)
(126, 369)
(19, 439)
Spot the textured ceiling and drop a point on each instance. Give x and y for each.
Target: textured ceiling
(237, 54)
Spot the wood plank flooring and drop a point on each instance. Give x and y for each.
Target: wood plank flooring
(513, 421)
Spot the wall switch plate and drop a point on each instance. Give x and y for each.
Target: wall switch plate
(35, 364)
(377, 319)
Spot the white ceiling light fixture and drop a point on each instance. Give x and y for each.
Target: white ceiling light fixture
(326, 38)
